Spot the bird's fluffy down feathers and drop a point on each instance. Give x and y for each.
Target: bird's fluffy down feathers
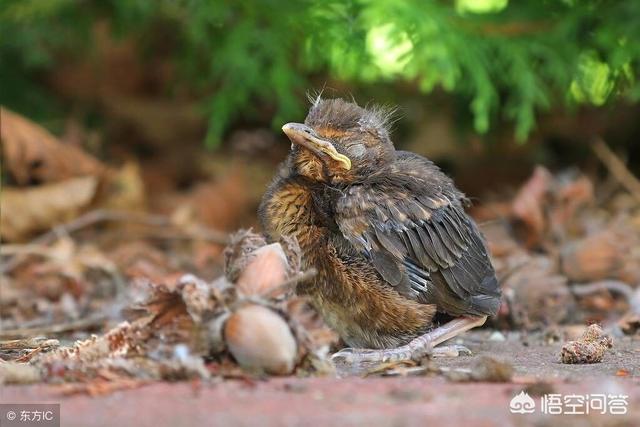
(341, 115)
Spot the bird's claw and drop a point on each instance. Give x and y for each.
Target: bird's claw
(349, 361)
(352, 355)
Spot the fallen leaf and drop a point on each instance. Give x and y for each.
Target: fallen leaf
(538, 294)
(571, 193)
(484, 369)
(123, 189)
(622, 373)
(33, 155)
(24, 211)
(115, 343)
(630, 323)
(100, 386)
(594, 257)
(528, 205)
(19, 373)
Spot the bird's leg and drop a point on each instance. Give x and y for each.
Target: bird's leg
(354, 361)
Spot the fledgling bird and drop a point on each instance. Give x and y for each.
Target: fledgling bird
(386, 231)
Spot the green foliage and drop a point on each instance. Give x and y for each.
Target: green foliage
(508, 59)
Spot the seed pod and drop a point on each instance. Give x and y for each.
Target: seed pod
(265, 271)
(260, 340)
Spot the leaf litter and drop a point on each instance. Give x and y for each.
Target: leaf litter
(178, 299)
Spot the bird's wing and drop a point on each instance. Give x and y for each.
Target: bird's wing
(410, 222)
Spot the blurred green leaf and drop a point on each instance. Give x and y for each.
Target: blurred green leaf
(247, 57)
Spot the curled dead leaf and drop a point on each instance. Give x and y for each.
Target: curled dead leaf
(19, 373)
(595, 257)
(528, 204)
(238, 252)
(29, 210)
(123, 189)
(196, 295)
(538, 294)
(33, 155)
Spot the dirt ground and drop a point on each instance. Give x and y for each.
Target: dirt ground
(392, 401)
(533, 356)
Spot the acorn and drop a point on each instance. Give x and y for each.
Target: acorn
(267, 270)
(260, 340)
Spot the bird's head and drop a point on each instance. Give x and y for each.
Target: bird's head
(340, 142)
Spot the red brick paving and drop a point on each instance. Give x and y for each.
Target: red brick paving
(415, 401)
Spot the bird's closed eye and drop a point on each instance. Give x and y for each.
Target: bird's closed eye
(356, 150)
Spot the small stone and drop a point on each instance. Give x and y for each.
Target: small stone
(497, 336)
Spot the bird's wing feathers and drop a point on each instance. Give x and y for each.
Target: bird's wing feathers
(409, 221)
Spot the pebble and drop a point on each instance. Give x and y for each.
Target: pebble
(497, 336)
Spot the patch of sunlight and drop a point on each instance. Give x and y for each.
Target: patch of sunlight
(480, 6)
(593, 83)
(390, 48)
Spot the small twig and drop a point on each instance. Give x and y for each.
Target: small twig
(104, 215)
(27, 249)
(53, 329)
(616, 167)
(632, 296)
(27, 343)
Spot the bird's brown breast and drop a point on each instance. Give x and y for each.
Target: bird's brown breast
(348, 291)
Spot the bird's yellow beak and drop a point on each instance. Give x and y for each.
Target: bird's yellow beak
(305, 136)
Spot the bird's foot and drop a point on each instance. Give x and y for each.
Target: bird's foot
(350, 361)
(356, 361)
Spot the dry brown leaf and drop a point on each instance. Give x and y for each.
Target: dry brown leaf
(115, 343)
(19, 373)
(100, 386)
(33, 155)
(141, 259)
(484, 369)
(630, 323)
(197, 297)
(528, 205)
(595, 257)
(220, 204)
(238, 252)
(538, 294)
(26, 211)
(570, 195)
(123, 189)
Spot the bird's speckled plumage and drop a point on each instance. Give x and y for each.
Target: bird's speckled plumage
(389, 237)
